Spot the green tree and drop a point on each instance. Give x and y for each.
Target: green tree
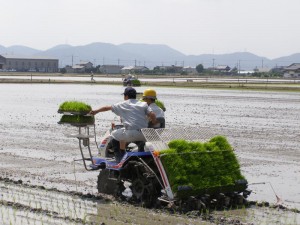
(234, 71)
(63, 70)
(200, 68)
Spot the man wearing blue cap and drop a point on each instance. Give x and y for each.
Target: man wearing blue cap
(133, 116)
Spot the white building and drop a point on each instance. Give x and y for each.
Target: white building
(111, 69)
(127, 69)
(190, 70)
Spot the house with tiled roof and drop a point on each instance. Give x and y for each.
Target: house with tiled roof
(80, 67)
(292, 70)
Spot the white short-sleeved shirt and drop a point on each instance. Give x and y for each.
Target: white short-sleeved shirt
(157, 110)
(133, 113)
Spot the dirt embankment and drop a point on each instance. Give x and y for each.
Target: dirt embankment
(224, 82)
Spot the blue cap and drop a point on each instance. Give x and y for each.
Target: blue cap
(129, 91)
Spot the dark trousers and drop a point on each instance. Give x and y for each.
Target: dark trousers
(116, 147)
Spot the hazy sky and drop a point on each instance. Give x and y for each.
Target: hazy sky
(269, 28)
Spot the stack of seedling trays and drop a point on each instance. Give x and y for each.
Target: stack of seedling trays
(76, 114)
(195, 168)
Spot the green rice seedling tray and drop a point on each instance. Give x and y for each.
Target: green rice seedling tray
(77, 120)
(202, 168)
(74, 107)
(136, 83)
(81, 113)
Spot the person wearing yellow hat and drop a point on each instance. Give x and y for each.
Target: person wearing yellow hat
(149, 96)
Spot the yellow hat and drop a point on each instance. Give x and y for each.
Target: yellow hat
(149, 93)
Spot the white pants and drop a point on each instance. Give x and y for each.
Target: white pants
(128, 135)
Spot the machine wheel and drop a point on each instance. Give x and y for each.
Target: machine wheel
(107, 183)
(144, 192)
(144, 187)
(138, 188)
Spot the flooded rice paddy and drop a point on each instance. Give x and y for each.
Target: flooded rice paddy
(263, 127)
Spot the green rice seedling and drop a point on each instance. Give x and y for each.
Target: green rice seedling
(74, 106)
(201, 166)
(221, 142)
(179, 145)
(85, 218)
(136, 82)
(14, 213)
(74, 206)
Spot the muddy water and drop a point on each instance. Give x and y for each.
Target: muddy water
(263, 127)
(22, 204)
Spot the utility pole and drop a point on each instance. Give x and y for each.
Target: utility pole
(118, 62)
(213, 63)
(262, 63)
(72, 58)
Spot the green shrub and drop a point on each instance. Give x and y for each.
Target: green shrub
(201, 166)
(74, 106)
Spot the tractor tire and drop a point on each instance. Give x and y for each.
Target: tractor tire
(145, 188)
(106, 183)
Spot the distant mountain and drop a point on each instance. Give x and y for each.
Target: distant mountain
(19, 50)
(149, 55)
(2, 49)
(242, 60)
(287, 60)
(153, 51)
(97, 53)
(59, 47)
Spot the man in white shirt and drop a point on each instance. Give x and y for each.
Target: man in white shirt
(133, 115)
